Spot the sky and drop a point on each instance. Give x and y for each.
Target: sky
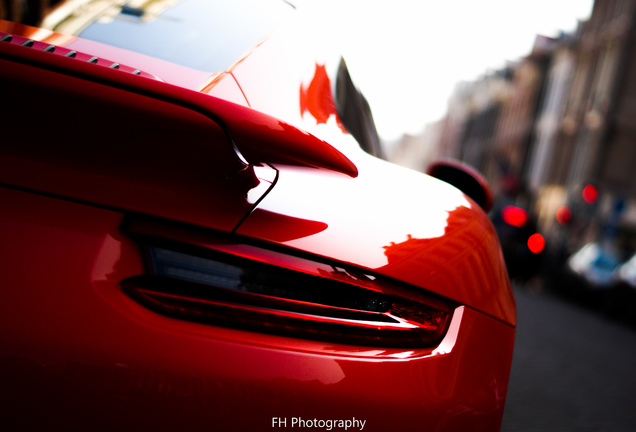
(407, 55)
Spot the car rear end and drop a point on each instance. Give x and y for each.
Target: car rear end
(178, 260)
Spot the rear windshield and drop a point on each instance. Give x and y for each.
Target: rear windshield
(206, 35)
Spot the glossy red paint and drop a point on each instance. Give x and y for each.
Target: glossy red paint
(80, 347)
(184, 185)
(299, 86)
(224, 86)
(448, 249)
(396, 201)
(96, 127)
(260, 137)
(316, 98)
(255, 176)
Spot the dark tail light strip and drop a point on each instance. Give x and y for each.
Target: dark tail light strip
(240, 286)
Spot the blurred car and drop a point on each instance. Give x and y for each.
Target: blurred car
(626, 273)
(622, 297)
(196, 235)
(591, 271)
(602, 276)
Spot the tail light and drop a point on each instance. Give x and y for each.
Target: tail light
(218, 288)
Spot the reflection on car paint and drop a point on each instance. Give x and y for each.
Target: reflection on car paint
(316, 98)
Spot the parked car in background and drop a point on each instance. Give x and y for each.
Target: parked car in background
(626, 273)
(197, 234)
(591, 273)
(622, 298)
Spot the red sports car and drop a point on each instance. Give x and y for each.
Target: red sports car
(197, 234)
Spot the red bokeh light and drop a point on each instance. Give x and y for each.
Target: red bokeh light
(536, 243)
(564, 215)
(514, 216)
(590, 194)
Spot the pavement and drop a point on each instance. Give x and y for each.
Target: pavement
(573, 369)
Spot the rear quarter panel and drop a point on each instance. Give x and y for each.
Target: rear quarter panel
(77, 353)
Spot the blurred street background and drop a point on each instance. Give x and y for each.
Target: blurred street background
(554, 133)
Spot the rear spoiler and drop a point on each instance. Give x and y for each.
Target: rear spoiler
(258, 137)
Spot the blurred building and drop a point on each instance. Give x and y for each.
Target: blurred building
(506, 160)
(417, 151)
(584, 153)
(29, 12)
(490, 122)
(558, 128)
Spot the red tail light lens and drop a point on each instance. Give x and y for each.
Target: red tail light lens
(221, 289)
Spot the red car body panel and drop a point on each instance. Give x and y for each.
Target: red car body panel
(449, 248)
(79, 353)
(244, 167)
(186, 185)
